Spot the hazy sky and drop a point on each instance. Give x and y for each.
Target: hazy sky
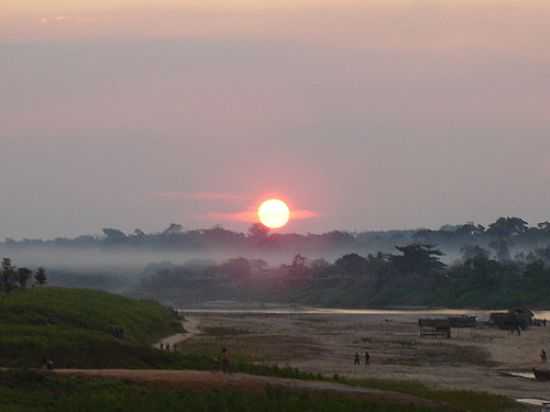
(368, 114)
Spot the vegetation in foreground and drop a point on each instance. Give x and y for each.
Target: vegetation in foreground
(461, 400)
(74, 328)
(77, 328)
(29, 392)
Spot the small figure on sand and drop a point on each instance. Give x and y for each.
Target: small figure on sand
(543, 356)
(357, 359)
(367, 358)
(224, 360)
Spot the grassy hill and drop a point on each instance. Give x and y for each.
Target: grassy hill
(74, 328)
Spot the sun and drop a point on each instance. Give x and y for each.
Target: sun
(274, 213)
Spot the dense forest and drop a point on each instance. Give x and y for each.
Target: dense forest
(413, 276)
(506, 263)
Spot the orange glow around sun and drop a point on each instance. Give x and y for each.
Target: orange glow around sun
(274, 213)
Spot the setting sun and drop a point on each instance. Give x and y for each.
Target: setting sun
(274, 213)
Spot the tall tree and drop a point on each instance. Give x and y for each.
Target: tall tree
(8, 277)
(470, 229)
(507, 227)
(352, 264)
(173, 229)
(40, 276)
(23, 276)
(418, 258)
(113, 235)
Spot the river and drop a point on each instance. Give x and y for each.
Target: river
(231, 310)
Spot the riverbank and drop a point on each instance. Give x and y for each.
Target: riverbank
(326, 343)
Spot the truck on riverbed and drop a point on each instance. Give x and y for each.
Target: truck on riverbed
(513, 319)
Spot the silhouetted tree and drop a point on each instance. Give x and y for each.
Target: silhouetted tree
(114, 235)
(23, 276)
(8, 275)
(40, 276)
(418, 258)
(508, 226)
(352, 264)
(470, 229)
(173, 229)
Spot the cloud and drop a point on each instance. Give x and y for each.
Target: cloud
(55, 19)
(250, 216)
(244, 216)
(201, 196)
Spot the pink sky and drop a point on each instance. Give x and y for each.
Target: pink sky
(371, 114)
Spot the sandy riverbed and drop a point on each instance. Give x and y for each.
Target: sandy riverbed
(471, 359)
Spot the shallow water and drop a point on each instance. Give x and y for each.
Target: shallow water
(329, 311)
(532, 402)
(482, 315)
(525, 375)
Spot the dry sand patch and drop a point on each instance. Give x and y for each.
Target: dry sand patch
(472, 359)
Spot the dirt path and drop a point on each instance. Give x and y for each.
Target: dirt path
(191, 325)
(200, 380)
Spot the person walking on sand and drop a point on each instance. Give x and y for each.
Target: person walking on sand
(367, 358)
(543, 356)
(357, 359)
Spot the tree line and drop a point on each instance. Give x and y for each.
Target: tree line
(12, 277)
(506, 232)
(413, 275)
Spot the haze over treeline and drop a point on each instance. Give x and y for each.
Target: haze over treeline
(515, 232)
(506, 262)
(129, 253)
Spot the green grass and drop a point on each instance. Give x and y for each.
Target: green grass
(462, 400)
(74, 328)
(31, 392)
(24, 391)
(143, 321)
